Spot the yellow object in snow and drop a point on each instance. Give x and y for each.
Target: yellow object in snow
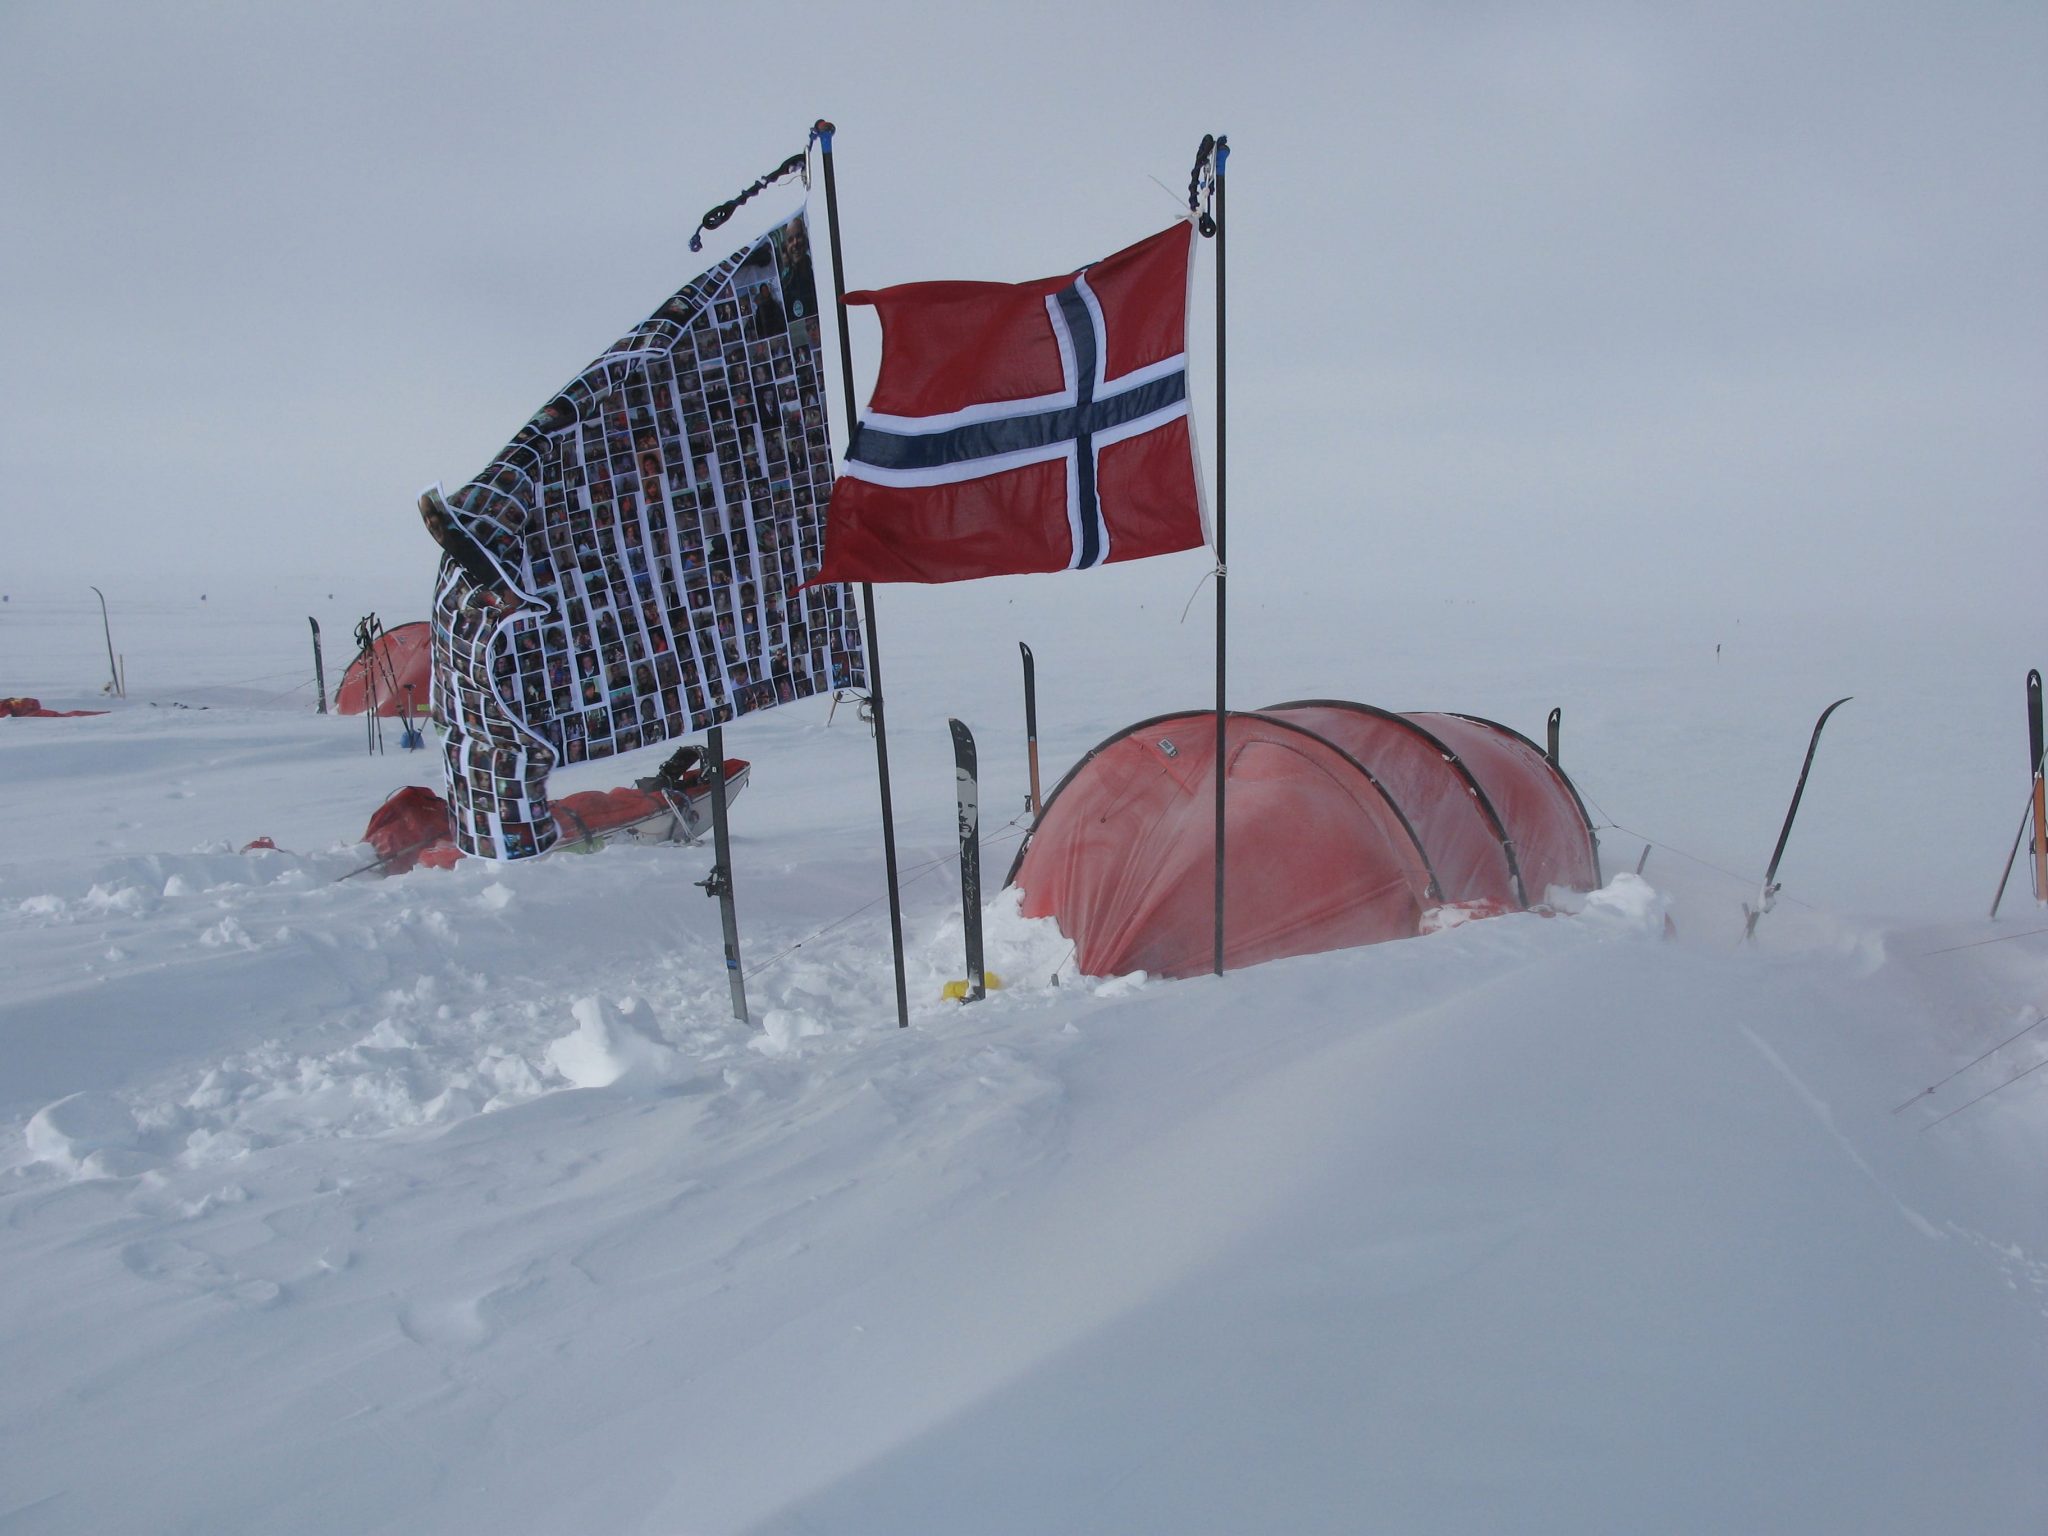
(956, 991)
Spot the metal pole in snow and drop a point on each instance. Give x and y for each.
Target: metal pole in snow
(1222, 573)
(824, 131)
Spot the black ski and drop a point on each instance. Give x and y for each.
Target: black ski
(1031, 725)
(1767, 896)
(966, 779)
(2035, 747)
(319, 666)
(2036, 814)
(719, 882)
(113, 667)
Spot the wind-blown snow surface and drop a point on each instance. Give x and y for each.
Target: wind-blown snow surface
(458, 1202)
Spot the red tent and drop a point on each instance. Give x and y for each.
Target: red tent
(1346, 824)
(403, 655)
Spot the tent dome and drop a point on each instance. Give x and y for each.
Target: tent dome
(401, 656)
(1345, 825)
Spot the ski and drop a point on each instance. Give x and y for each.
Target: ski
(1031, 727)
(1767, 895)
(965, 776)
(2035, 746)
(2036, 813)
(319, 666)
(113, 667)
(719, 882)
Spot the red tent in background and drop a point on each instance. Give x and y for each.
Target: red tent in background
(401, 656)
(1345, 825)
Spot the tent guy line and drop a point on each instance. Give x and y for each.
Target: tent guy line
(915, 873)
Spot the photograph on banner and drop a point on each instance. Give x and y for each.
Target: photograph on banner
(649, 530)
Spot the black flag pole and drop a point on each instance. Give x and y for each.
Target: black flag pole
(1205, 195)
(823, 132)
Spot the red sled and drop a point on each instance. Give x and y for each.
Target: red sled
(659, 814)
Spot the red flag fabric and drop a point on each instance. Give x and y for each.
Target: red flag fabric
(1017, 427)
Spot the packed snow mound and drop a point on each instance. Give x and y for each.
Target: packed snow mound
(1627, 904)
(82, 1133)
(612, 1045)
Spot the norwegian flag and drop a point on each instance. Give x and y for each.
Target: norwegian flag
(1015, 427)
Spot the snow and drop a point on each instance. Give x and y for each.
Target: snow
(460, 1202)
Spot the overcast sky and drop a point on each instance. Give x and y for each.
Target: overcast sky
(1677, 301)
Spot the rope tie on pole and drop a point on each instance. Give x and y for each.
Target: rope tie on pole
(798, 164)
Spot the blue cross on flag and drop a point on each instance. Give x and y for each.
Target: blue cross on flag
(1017, 427)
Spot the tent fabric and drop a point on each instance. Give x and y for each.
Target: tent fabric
(406, 827)
(412, 826)
(1468, 847)
(1345, 825)
(1552, 834)
(22, 708)
(401, 656)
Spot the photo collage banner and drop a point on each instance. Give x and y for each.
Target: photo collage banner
(651, 526)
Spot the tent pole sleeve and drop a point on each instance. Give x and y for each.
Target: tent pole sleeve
(824, 131)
